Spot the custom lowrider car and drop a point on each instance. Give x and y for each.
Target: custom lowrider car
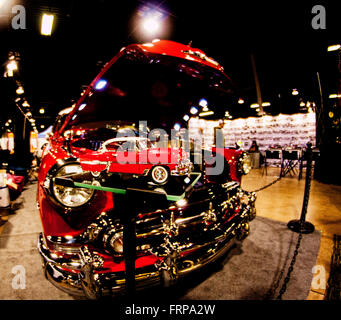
(201, 213)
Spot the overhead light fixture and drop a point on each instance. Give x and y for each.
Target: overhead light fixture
(25, 104)
(177, 126)
(334, 96)
(193, 110)
(254, 105)
(302, 104)
(11, 66)
(207, 113)
(294, 92)
(152, 22)
(266, 104)
(241, 101)
(334, 47)
(42, 126)
(20, 90)
(203, 103)
(46, 24)
(41, 110)
(186, 117)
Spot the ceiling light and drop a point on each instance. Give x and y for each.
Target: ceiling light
(46, 24)
(203, 103)
(241, 101)
(207, 113)
(42, 110)
(186, 117)
(12, 65)
(20, 90)
(294, 92)
(152, 22)
(334, 96)
(25, 104)
(334, 47)
(177, 126)
(254, 105)
(193, 110)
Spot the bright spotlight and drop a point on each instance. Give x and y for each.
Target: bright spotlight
(203, 103)
(151, 24)
(186, 117)
(334, 47)
(41, 110)
(294, 92)
(193, 110)
(46, 24)
(177, 126)
(20, 90)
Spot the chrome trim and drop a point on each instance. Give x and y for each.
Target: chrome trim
(80, 274)
(95, 162)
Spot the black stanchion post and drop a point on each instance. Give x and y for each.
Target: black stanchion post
(134, 201)
(301, 225)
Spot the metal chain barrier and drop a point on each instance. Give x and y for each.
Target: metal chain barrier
(302, 225)
(268, 185)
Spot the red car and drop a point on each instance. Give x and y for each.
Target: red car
(202, 213)
(134, 155)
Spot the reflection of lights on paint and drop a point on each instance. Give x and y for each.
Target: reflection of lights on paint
(177, 126)
(186, 117)
(203, 103)
(193, 110)
(74, 117)
(42, 126)
(254, 105)
(82, 106)
(331, 114)
(101, 84)
(181, 203)
(266, 104)
(302, 104)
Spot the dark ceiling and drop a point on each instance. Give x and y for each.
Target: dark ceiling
(287, 50)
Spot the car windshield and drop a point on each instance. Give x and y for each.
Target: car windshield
(156, 88)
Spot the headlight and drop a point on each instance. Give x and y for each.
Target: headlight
(245, 164)
(68, 196)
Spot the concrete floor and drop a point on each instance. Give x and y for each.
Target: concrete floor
(282, 202)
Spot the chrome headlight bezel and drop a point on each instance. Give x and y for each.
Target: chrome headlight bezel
(244, 164)
(65, 196)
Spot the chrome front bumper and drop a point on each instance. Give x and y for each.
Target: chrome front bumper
(81, 276)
